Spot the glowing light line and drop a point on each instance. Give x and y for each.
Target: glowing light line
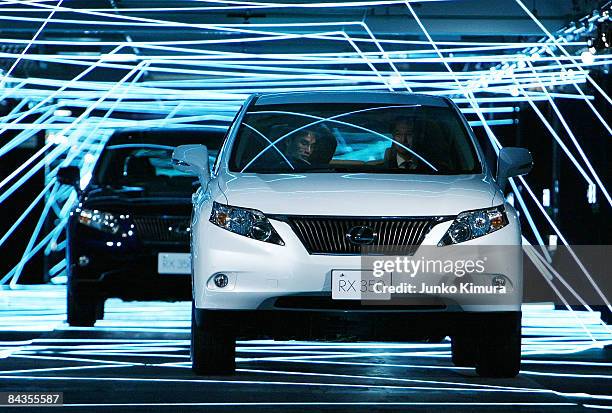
(549, 268)
(253, 5)
(39, 226)
(565, 52)
(539, 263)
(461, 46)
(27, 255)
(25, 213)
(296, 403)
(34, 250)
(573, 139)
(61, 368)
(55, 152)
(68, 84)
(25, 50)
(562, 238)
(560, 142)
(467, 387)
(496, 146)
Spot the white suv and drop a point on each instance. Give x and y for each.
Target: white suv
(306, 185)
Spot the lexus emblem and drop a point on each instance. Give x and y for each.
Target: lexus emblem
(361, 235)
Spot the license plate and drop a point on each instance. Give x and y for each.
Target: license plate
(346, 285)
(173, 263)
(356, 285)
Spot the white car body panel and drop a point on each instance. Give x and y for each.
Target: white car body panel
(357, 194)
(259, 271)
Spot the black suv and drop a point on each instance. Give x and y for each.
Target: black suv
(128, 236)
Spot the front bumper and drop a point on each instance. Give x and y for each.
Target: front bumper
(129, 272)
(259, 272)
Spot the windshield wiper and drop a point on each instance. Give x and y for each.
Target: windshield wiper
(296, 171)
(341, 169)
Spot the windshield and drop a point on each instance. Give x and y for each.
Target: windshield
(353, 138)
(142, 161)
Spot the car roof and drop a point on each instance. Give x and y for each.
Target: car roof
(180, 129)
(157, 135)
(402, 98)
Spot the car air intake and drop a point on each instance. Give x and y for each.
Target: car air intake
(347, 235)
(162, 229)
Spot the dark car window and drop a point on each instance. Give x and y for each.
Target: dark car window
(353, 138)
(143, 160)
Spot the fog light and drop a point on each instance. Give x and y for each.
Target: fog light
(498, 281)
(83, 261)
(221, 280)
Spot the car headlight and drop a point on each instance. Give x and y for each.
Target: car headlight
(243, 221)
(473, 224)
(102, 221)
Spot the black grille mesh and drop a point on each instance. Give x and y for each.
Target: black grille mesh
(328, 235)
(162, 229)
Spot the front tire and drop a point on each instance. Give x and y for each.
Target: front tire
(499, 350)
(83, 311)
(464, 351)
(213, 348)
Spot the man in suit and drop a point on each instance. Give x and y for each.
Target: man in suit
(404, 136)
(300, 148)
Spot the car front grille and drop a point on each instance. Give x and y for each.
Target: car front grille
(162, 229)
(328, 235)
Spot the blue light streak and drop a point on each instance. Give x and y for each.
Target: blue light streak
(225, 78)
(25, 50)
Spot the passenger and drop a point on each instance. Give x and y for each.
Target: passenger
(397, 156)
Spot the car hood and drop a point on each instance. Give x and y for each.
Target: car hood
(358, 194)
(133, 199)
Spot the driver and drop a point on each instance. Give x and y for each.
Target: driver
(301, 146)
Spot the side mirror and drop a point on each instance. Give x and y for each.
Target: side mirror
(512, 162)
(69, 175)
(192, 159)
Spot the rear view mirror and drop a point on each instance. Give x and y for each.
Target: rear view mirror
(512, 162)
(192, 159)
(69, 175)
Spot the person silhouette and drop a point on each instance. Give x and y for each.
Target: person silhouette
(398, 156)
(300, 148)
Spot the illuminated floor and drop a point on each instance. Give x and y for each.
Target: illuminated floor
(137, 359)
